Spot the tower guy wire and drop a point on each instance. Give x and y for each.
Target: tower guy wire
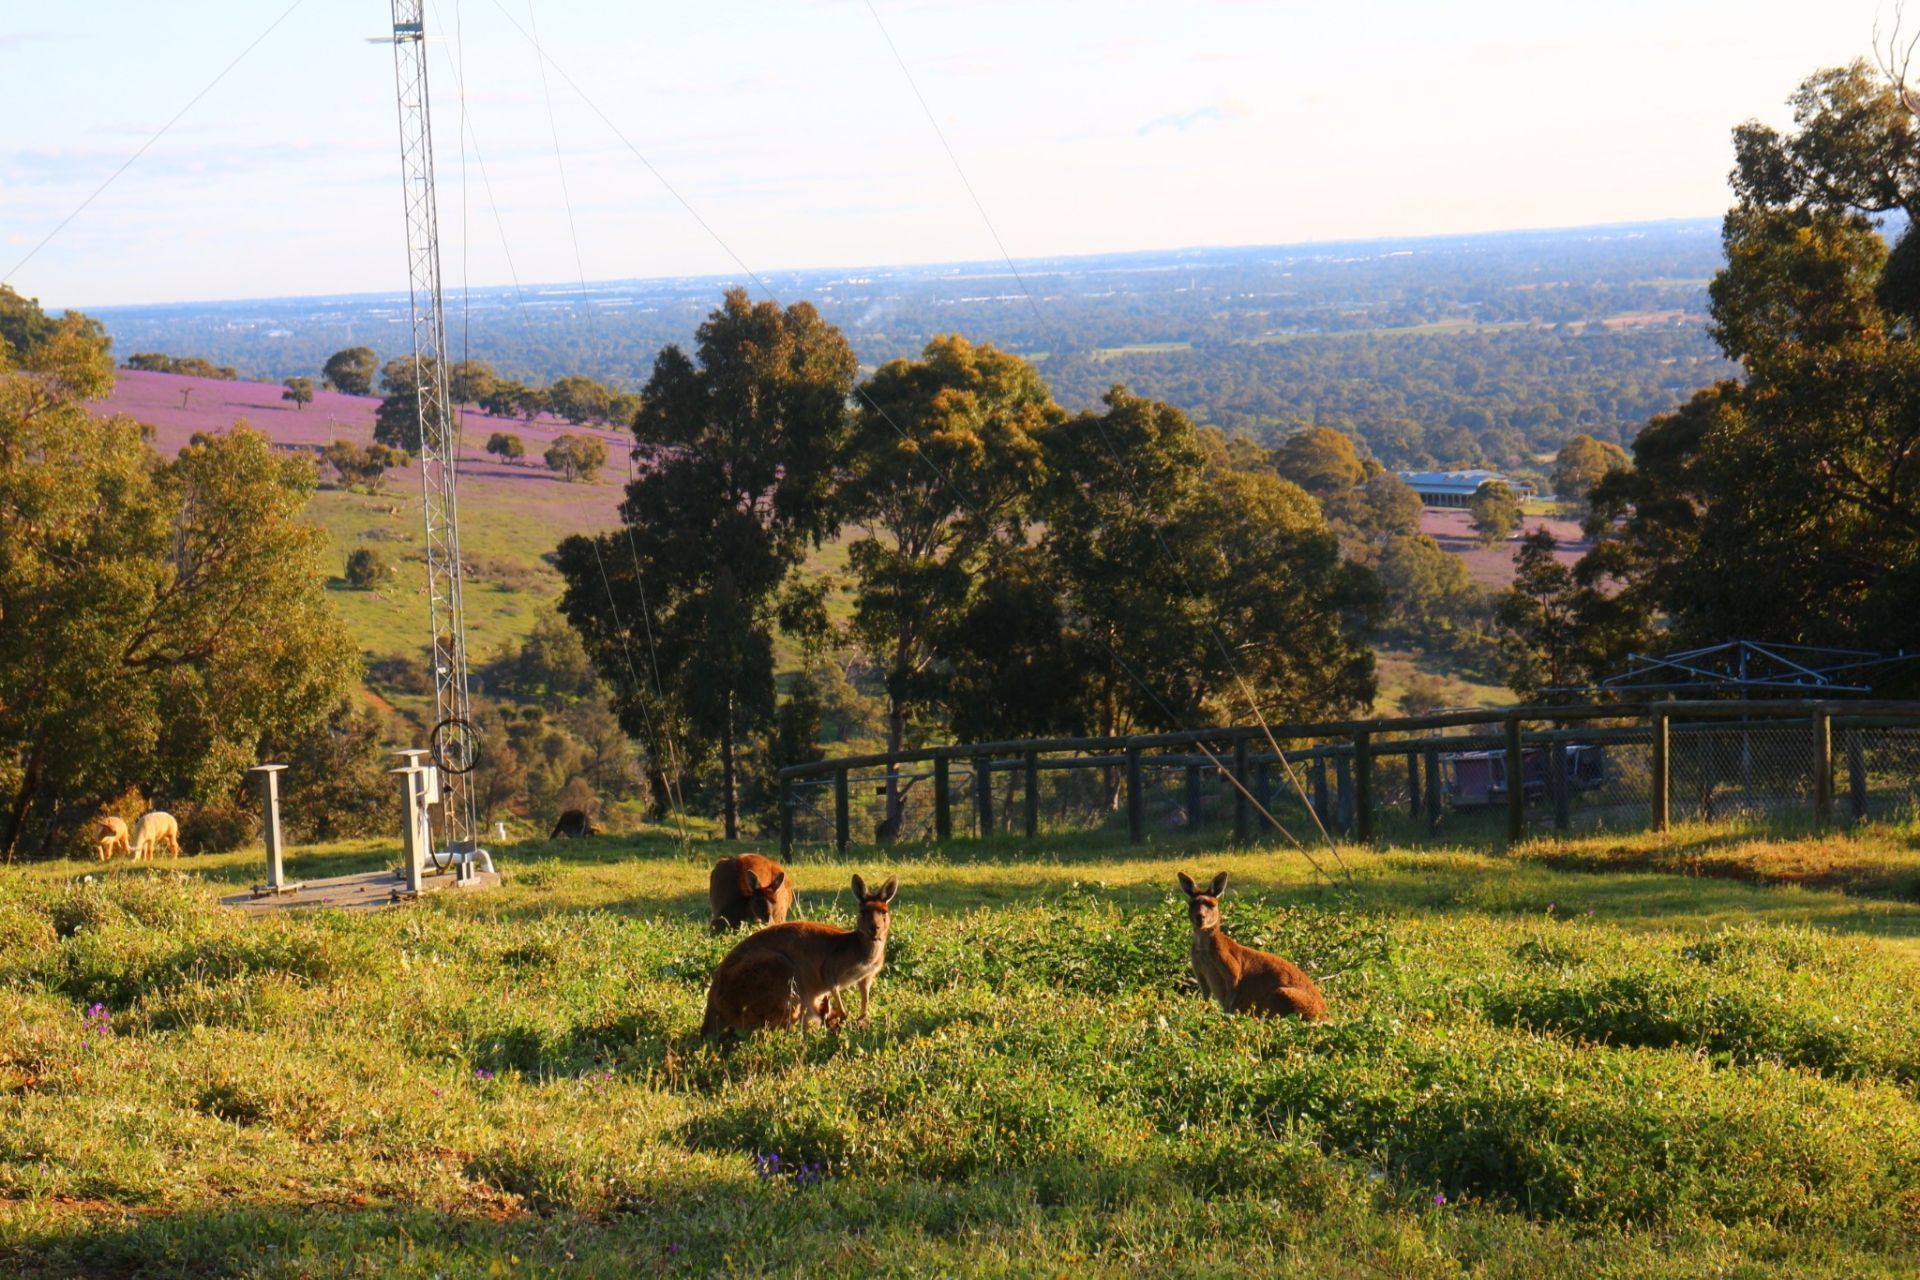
(722, 243)
(157, 134)
(1120, 466)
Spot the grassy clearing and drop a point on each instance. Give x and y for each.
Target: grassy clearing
(1567, 1059)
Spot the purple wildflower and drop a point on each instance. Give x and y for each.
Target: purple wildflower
(482, 1074)
(1439, 1198)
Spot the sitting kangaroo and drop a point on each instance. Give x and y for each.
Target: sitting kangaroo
(113, 838)
(1239, 978)
(573, 825)
(791, 973)
(153, 830)
(748, 889)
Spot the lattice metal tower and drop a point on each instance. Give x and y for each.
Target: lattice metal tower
(454, 742)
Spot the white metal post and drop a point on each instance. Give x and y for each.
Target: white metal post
(269, 777)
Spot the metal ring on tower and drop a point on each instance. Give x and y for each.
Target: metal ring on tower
(455, 745)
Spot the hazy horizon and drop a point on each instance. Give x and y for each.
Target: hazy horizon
(994, 266)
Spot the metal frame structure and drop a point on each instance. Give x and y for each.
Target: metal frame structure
(1745, 666)
(454, 743)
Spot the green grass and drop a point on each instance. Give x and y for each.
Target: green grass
(1397, 667)
(1615, 1057)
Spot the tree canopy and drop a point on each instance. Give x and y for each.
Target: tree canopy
(351, 370)
(742, 440)
(162, 618)
(1784, 505)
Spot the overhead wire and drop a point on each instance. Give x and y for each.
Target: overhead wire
(1124, 471)
(675, 784)
(456, 63)
(719, 240)
(158, 134)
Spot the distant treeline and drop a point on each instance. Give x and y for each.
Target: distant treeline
(1263, 340)
(191, 366)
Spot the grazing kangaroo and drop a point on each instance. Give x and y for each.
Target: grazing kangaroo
(748, 889)
(573, 825)
(151, 831)
(790, 973)
(113, 838)
(1240, 979)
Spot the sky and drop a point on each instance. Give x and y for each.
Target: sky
(1082, 126)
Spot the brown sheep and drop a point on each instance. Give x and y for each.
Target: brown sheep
(113, 838)
(1240, 979)
(748, 889)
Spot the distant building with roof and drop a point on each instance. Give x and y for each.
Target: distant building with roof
(1456, 488)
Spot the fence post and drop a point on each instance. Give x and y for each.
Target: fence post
(1320, 807)
(1432, 761)
(1343, 793)
(1856, 776)
(786, 817)
(1031, 785)
(1263, 792)
(1559, 782)
(1516, 782)
(942, 798)
(1363, 787)
(840, 814)
(1413, 786)
(983, 794)
(1661, 773)
(1822, 768)
(1242, 808)
(1193, 797)
(1136, 800)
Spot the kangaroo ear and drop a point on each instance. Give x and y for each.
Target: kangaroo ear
(859, 889)
(891, 887)
(1187, 885)
(1219, 885)
(779, 878)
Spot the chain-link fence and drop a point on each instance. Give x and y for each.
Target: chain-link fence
(1455, 778)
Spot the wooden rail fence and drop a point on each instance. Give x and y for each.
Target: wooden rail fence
(1356, 750)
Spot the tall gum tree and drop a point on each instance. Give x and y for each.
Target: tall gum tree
(739, 444)
(945, 456)
(1786, 504)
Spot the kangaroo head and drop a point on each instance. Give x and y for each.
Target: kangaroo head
(1203, 907)
(874, 907)
(759, 897)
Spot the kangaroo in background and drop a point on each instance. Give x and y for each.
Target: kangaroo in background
(789, 974)
(573, 825)
(748, 889)
(1240, 979)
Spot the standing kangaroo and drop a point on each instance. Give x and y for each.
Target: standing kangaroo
(790, 973)
(748, 889)
(1240, 979)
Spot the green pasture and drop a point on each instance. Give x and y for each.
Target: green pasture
(1611, 1057)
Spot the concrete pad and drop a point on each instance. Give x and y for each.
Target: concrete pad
(366, 891)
